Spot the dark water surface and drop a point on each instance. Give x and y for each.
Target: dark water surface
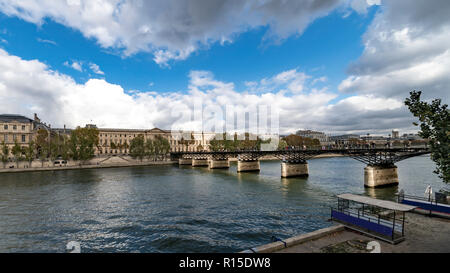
(172, 209)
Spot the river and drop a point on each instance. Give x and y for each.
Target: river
(181, 209)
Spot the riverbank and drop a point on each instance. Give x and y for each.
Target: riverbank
(89, 166)
(423, 234)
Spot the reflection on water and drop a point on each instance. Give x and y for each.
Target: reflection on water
(181, 209)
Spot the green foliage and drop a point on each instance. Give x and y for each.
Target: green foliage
(17, 153)
(137, 147)
(82, 143)
(158, 148)
(237, 142)
(30, 152)
(282, 144)
(4, 153)
(434, 121)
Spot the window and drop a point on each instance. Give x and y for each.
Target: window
(23, 127)
(14, 127)
(6, 127)
(6, 138)
(23, 138)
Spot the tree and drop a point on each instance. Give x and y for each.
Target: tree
(294, 140)
(83, 142)
(150, 149)
(30, 152)
(137, 147)
(161, 146)
(5, 154)
(282, 145)
(434, 121)
(17, 153)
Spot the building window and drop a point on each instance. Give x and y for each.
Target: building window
(23, 138)
(6, 127)
(6, 138)
(14, 127)
(23, 127)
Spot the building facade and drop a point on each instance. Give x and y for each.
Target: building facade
(321, 136)
(344, 139)
(117, 141)
(17, 129)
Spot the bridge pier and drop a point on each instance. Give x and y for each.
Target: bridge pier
(199, 162)
(248, 166)
(380, 176)
(294, 169)
(219, 164)
(185, 161)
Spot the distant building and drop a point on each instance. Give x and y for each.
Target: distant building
(379, 140)
(344, 139)
(411, 137)
(395, 134)
(117, 141)
(321, 136)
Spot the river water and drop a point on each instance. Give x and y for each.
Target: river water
(181, 209)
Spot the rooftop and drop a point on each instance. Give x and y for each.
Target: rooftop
(376, 202)
(11, 118)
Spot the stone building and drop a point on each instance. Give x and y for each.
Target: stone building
(321, 136)
(344, 139)
(20, 129)
(111, 141)
(117, 141)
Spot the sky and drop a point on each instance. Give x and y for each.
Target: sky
(338, 66)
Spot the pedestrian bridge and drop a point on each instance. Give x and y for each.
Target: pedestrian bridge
(380, 169)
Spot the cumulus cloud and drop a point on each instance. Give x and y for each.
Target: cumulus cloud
(29, 86)
(172, 29)
(75, 65)
(407, 47)
(96, 69)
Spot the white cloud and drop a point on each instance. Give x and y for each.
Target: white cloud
(407, 47)
(96, 69)
(75, 65)
(46, 41)
(172, 29)
(290, 81)
(28, 86)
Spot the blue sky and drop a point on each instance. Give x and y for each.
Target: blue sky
(339, 66)
(326, 47)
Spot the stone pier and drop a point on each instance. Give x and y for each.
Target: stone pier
(248, 166)
(185, 161)
(219, 164)
(199, 162)
(294, 169)
(379, 176)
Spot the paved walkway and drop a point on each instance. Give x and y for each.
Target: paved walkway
(422, 233)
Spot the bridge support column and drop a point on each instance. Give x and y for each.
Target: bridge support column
(248, 166)
(379, 176)
(294, 169)
(219, 164)
(199, 162)
(185, 161)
